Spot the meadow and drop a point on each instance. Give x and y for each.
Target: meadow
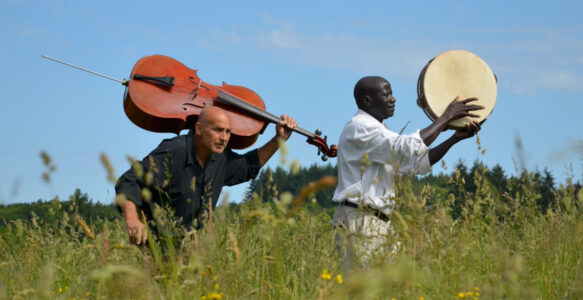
(499, 246)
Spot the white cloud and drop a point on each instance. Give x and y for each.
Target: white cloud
(561, 80)
(284, 38)
(535, 59)
(218, 39)
(525, 59)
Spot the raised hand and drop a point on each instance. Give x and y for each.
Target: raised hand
(470, 130)
(460, 108)
(284, 127)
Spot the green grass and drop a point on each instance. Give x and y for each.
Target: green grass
(502, 247)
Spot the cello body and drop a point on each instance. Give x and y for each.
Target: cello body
(163, 95)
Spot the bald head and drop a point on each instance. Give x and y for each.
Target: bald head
(212, 114)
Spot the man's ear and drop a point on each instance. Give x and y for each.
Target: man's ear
(197, 128)
(366, 101)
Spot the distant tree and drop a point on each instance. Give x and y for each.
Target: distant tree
(497, 178)
(546, 188)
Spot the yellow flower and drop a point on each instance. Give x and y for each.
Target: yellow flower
(421, 298)
(326, 275)
(339, 278)
(87, 294)
(461, 295)
(217, 287)
(203, 298)
(60, 290)
(213, 295)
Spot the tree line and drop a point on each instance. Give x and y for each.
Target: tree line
(52, 211)
(462, 182)
(457, 187)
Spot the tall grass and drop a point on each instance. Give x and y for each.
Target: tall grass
(501, 247)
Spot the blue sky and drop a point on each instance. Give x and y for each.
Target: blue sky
(302, 57)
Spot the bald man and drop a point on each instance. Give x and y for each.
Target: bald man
(186, 174)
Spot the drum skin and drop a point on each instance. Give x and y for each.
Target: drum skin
(456, 73)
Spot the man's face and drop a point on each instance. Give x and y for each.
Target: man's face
(382, 101)
(215, 132)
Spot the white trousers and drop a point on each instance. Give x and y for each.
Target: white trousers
(360, 236)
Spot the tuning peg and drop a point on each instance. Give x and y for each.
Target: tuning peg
(318, 132)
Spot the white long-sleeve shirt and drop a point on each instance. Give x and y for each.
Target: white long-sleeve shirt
(368, 156)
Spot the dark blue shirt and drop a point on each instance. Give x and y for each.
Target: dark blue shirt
(175, 180)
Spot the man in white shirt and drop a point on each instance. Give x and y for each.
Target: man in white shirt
(368, 156)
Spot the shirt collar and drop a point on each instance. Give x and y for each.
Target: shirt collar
(369, 118)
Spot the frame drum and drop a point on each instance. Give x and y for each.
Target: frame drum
(456, 73)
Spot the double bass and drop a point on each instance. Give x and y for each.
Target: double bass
(163, 95)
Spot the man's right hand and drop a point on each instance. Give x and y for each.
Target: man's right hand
(460, 108)
(136, 231)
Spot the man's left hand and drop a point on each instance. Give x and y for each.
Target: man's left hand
(469, 131)
(284, 127)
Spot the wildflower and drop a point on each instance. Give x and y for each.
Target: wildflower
(217, 287)
(86, 228)
(217, 296)
(87, 294)
(339, 278)
(326, 275)
(108, 167)
(60, 290)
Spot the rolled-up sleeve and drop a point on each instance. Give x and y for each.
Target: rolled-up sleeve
(130, 186)
(241, 168)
